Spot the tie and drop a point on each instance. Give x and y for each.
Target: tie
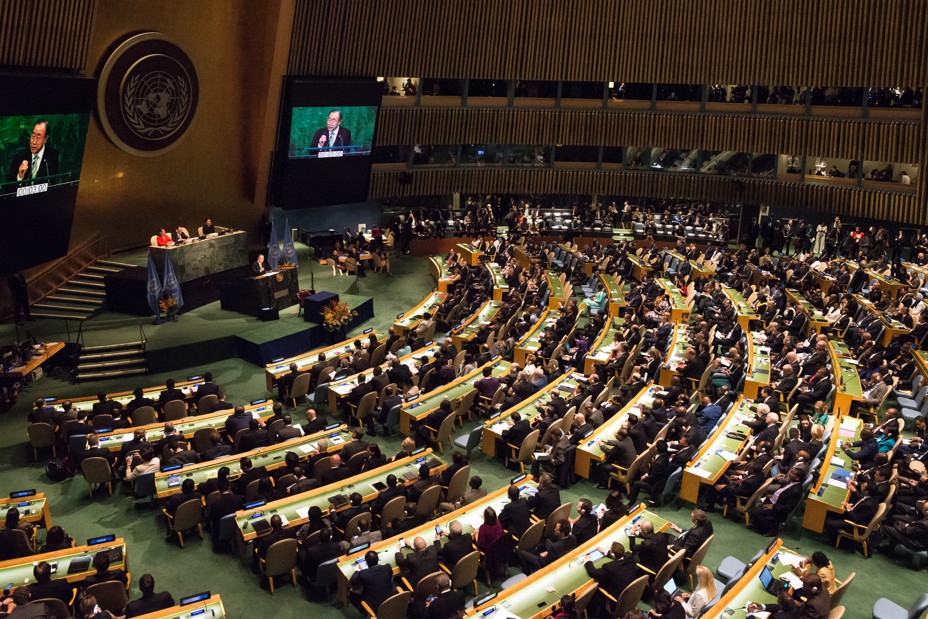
(776, 495)
(331, 138)
(35, 164)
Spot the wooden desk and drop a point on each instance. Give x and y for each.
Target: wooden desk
(469, 253)
(465, 331)
(86, 402)
(305, 361)
(470, 517)
(407, 321)
(757, 372)
(271, 457)
(534, 596)
(45, 353)
(339, 389)
(601, 349)
(749, 588)
(438, 268)
(295, 508)
(207, 609)
(827, 495)
(699, 269)
(500, 287)
(639, 268)
(529, 409)
(891, 326)
(591, 451)
(816, 317)
(557, 295)
(676, 354)
(530, 342)
(742, 310)
(890, 285)
(33, 509)
(614, 293)
(19, 571)
(847, 380)
(260, 409)
(679, 312)
(418, 409)
(716, 454)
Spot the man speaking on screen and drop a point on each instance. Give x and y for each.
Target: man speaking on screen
(333, 135)
(39, 161)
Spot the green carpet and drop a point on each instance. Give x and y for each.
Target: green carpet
(197, 568)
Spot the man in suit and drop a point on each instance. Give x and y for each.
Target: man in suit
(218, 449)
(238, 420)
(547, 499)
(459, 545)
(332, 136)
(150, 601)
(514, 435)
(188, 493)
(432, 420)
(208, 387)
(774, 508)
(420, 563)
(255, 437)
(393, 490)
(285, 382)
(39, 161)
(101, 563)
(372, 585)
(250, 473)
(708, 414)
(103, 405)
(226, 504)
(45, 587)
(311, 556)
(259, 267)
(860, 512)
(560, 543)
(314, 423)
(874, 392)
(447, 602)
(516, 515)
(276, 534)
(337, 472)
(614, 575)
(652, 549)
(287, 432)
(691, 539)
(355, 445)
(170, 393)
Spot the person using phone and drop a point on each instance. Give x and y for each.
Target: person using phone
(373, 585)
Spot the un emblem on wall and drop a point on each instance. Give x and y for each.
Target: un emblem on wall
(147, 94)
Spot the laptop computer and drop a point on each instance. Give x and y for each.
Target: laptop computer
(261, 526)
(79, 564)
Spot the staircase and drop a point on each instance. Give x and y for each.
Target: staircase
(111, 361)
(80, 297)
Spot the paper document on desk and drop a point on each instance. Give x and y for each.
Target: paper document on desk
(728, 456)
(308, 448)
(285, 521)
(836, 461)
(846, 432)
(302, 512)
(837, 483)
(701, 472)
(790, 559)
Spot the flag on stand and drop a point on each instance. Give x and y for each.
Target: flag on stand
(154, 287)
(171, 285)
(289, 253)
(273, 249)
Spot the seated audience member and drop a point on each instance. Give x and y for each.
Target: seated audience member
(445, 602)
(45, 587)
(188, 493)
(823, 567)
(372, 585)
(227, 503)
(547, 499)
(490, 530)
(91, 610)
(313, 554)
(458, 546)
(694, 537)
(13, 545)
(101, 563)
(422, 561)
(145, 461)
(516, 516)
(612, 576)
(218, 449)
(150, 601)
(57, 539)
(773, 509)
(550, 550)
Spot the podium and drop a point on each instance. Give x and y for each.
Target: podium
(248, 295)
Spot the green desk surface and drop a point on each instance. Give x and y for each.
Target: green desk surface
(557, 289)
(259, 409)
(606, 432)
(440, 265)
(470, 517)
(849, 378)
(423, 405)
(840, 348)
(921, 360)
(677, 300)
(758, 361)
(826, 491)
(603, 349)
(613, 289)
(545, 587)
(486, 314)
(750, 588)
(85, 403)
(211, 608)
(469, 248)
(294, 509)
(499, 282)
(169, 482)
(889, 321)
(414, 315)
(710, 461)
(531, 408)
(343, 387)
(810, 310)
(307, 360)
(737, 300)
(677, 352)
(530, 341)
(19, 571)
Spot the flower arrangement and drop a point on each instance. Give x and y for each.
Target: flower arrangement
(168, 305)
(336, 315)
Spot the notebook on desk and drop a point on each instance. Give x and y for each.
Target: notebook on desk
(261, 526)
(79, 564)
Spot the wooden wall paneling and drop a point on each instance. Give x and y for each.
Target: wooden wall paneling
(46, 34)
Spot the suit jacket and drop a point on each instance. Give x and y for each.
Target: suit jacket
(516, 517)
(263, 543)
(455, 549)
(376, 584)
(621, 452)
(334, 475)
(47, 167)
(311, 557)
(170, 394)
(207, 389)
(226, 504)
(253, 440)
(545, 501)
(614, 576)
(351, 448)
(58, 588)
(692, 539)
(149, 604)
(218, 451)
(864, 511)
(419, 564)
(342, 138)
(446, 605)
(652, 551)
(517, 433)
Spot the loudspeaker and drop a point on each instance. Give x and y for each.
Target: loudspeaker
(266, 314)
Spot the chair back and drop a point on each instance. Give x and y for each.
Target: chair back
(251, 490)
(53, 608)
(836, 612)
(426, 587)
(96, 471)
(918, 608)
(444, 432)
(175, 409)
(366, 405)
(457, 486)
(464, 572)
(300, 387)
(527, 449)
(428, 501)
(321, 466)
(111, 595)
(326, 573)
(757, 495)
(699, 556)
(145, 486)
(667, 570)
(206, 404)
(281, 558)
(143, 415)
(188, 515)
(201, 442)
(228, 528)
(498, 556)
(378, 355)
(41, 435)
(103, 420)
(285, 481)
(631, 595)
(395, 508)
(531, 537)
(274, 428)
(321, 394)
(356, 462)
(561, 513)
(354, 525)
(838, 595)
(584, 597)
(546, 439)
(238, 438)
(396, 606)
(425, 380)
(399, 343)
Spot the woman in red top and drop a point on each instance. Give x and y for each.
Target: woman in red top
(163, 238)
(490, 530)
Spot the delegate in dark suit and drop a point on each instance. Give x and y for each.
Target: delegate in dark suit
(419, 564)
(149, 603)
(375, 584)
(342, 138)
(48, 165)
(652, 550)
(615, 575)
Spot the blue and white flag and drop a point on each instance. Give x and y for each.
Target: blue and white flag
(171, 285)
(154, 287)
(289, 254)
(273, 249)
